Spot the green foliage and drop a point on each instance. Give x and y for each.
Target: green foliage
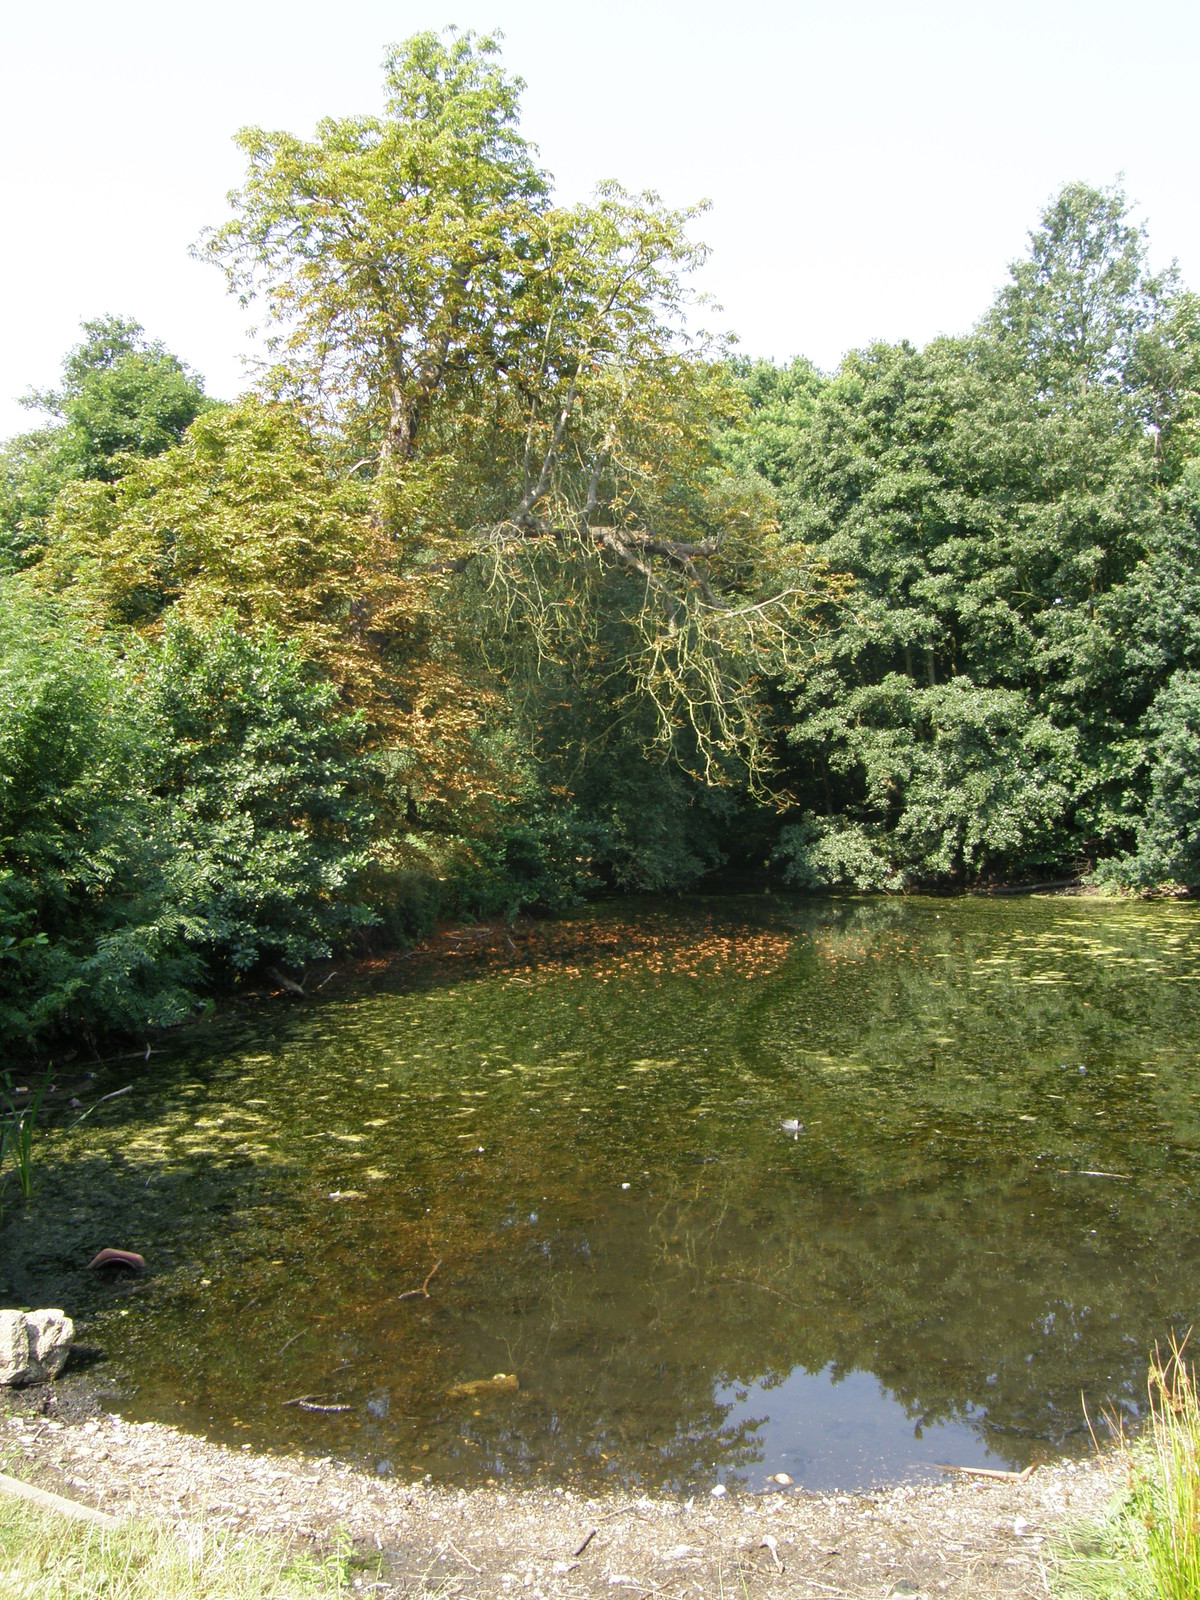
(88, 935)
(1168, 834)
(386, 247)
(509, 587)
(1169, 1495)
(952, 777)
(779, 406)
(1014, 509)
(521, 381)
(259, 781)
(32, 472)
(166, 819)
(242, 514)
(1073, 309)
(121, 398)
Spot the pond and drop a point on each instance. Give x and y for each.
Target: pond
(986, 1210)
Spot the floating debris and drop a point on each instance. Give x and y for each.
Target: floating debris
(129, 1259)
(499, 1383)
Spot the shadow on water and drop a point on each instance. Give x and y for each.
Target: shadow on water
(984, 1212)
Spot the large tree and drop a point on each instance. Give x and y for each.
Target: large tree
(521, 383)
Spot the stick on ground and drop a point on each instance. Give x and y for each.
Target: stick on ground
(55, 1502)
(989, 1472)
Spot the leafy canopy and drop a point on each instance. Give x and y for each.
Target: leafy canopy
(1014, 509)
(521, 383)
(121, 397)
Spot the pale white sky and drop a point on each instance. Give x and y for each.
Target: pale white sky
(873, 166)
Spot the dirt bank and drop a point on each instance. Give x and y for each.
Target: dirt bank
(968, 1537)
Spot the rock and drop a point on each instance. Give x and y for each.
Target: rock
(51, 1335)
(34, 1345)
(499, 1384)
(119, 1258)
(14, 1347)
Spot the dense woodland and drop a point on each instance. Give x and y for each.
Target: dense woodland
(506, 585)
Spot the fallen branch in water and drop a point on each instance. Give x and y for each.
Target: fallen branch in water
(1030, 888)
(309, 1402)
(412, 1294)
(116, 1093)
(286, 983)
(1092, 1172)
(990, 1472)
(129, 1055)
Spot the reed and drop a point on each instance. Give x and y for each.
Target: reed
(1150, 1547)
(1170, 1494)
(16, 1133)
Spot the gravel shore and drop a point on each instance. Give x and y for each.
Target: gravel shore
(970, 1536)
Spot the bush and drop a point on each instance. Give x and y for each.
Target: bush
(169, 819)
(86, 933)
(261, 779)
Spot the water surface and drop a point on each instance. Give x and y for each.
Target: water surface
(989, 1207)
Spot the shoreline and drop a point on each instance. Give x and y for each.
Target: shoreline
(986, 1539)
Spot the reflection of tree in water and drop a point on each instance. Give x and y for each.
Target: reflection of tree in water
(920, 1229)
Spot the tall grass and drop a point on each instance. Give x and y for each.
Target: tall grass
(1171, 1499)
(44, 1557)
(1150, 1548)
